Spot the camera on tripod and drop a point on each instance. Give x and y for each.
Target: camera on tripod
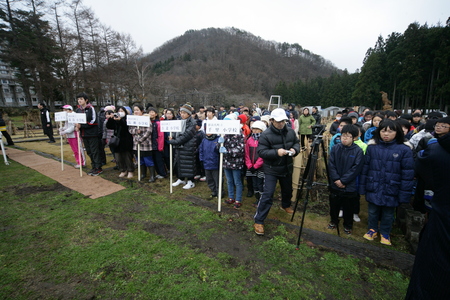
(317, 130)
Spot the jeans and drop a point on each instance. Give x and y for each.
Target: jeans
(386, 219)
(266, 201)
(234, 181)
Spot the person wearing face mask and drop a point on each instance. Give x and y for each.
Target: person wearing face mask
(334, 126)
(124, 150)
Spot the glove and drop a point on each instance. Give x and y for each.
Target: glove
(223, 150)
(252, 170)
(221, 140)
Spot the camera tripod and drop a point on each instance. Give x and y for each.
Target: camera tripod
(308, 177)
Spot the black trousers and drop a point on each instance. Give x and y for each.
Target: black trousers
(345, 200)
(92, 145)
(8, 138)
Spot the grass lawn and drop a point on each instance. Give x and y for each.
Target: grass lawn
(144, 243)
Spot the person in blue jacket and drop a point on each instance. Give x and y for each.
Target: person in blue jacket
(209, 156)
(387, 178)
(345, 165)
(374, 125)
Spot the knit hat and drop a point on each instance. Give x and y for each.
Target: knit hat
(353, 115)
(230, 117)
(255, 118)
(199, 122)
(266, 118)
(259, 125)
(67, 106)
(242, 118)
(186, 108)
(110, 107)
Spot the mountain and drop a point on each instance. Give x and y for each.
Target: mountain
(234, 61)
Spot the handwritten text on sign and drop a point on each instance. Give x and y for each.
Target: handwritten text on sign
(223, 126)
(60, 116)
(77, 118)
(173, 126)
(141, 121)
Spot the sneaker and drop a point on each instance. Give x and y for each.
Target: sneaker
(237, 204)
(356, 218)
(347, 231)
(341, 213)
(178, 182)
(130, 175)
(197, 177)
(189, 185)
(76, 166)
(97, 172)
(203, 179)
(159, 177)
(230, 201)
(91, 171)
(370, 235)
(289, 210)
(385, 239)
(331, 225)
(122, 174)
(51, 142)
(259, 229)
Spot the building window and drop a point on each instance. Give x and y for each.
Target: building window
(5, 81)
(9, 99)
(34, 99)
(3, 72)
(19, 90)
(22, 99)
(6, 91)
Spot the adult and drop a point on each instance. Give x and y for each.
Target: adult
(3, 130)
(431, 271)
(305, 123)
(89, 133)
(124, 150)
(277, 146)
(46, 122)
(316, 115)
(186, 148)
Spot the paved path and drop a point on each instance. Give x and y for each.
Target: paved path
(91, 186)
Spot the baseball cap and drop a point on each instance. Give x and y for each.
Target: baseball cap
(278, 114)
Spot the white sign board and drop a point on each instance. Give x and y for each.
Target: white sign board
(173, 126)
(141, 121)
(77, 118)
(60, 116)
(223, 127)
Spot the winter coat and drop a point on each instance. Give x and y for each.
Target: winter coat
(334, 127)
(317, 117)
(144, 138)
(120, 128)
(252, 159)
(185, 147)
(431, 271)
(234, 158)
(46, 120)
(369, 134)
(304, 122)
(345, 164)
(157, 136)
(270, 141)
(388, 173)
(90, 129)
(68, 129)
(209, 152)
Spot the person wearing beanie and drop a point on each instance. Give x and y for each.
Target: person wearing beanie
(277, 146)
(68, 129)
(266, 120)
(185, 150)
(253, 162)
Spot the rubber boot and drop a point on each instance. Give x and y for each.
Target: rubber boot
(143, 171)
(152, 174)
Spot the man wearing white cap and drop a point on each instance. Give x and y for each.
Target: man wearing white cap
(278, 145)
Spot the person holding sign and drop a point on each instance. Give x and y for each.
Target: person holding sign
(69, 130)
(142, 136)
(157, 144)
(186, 146)
(89, 133)
(124, 148)
(277, 146)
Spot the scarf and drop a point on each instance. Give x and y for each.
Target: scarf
(256, 136)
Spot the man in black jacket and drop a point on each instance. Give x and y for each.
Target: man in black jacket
(89, 133)
(277, 146)
(46, 122)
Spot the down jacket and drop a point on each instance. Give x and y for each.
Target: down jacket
(345, 164)
(388, 173)
(252, 159)
(185, 150)
(270, 141)
(209, 152)
(234, 159)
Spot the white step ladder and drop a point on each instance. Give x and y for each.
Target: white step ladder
(274, 102)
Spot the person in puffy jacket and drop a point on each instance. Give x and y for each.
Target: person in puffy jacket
(69, 131)
(253, 162)
(277, 146)
(387, 178)
(209, 156)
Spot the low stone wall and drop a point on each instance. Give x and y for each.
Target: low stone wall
(411, 223)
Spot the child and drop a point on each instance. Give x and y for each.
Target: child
(69, 130)
(209, 156)
(336, 139)
(387, 178)
(345, 164)
(375, 123)
(253, 161)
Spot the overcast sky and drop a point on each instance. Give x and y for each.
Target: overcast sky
(341, 31)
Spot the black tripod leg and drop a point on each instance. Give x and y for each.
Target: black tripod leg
(303, 219)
